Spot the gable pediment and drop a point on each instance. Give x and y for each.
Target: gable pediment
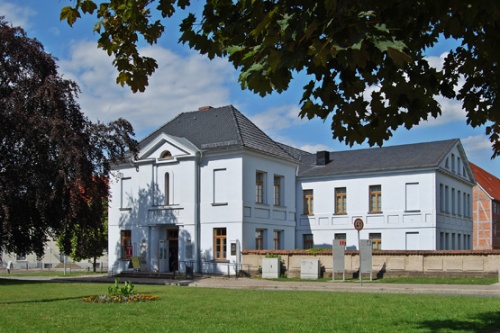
(166, 146)
(456, 162)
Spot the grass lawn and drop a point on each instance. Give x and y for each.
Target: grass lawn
(27, 306)
(412, 280)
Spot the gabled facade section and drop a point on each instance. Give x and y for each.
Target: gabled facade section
(486, 210)
(406, 195)
(206, 185)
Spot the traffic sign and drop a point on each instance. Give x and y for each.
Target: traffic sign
(358, 224)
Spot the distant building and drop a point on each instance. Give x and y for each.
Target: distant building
(486, 206)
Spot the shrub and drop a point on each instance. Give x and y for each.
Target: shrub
(117, 294)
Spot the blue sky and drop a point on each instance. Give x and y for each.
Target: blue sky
(186, 80)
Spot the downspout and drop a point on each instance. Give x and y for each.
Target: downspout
(197, 216)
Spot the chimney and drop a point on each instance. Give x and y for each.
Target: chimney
(205, 108)
(322, 157)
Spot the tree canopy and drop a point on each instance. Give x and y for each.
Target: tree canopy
(54, 162)
(346, 46)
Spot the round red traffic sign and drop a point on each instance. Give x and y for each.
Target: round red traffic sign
(358, 224)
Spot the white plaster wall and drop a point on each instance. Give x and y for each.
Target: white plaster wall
(267, 216)
(394, 222)
(141, 208)
(229, 207)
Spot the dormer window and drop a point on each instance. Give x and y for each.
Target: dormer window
(166, 154)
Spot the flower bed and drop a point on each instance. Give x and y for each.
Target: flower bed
(117, 294)
(136, 298)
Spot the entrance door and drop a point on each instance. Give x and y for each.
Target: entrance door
(173, 249)
(163, 255)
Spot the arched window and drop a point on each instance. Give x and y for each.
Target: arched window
(167, 188)
(166, 154)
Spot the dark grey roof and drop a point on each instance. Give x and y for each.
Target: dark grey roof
(222, 128)
(410, 156)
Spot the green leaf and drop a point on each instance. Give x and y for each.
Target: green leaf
(69, 14)
(88, 6)
(399, 57)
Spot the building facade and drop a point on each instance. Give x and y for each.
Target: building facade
(205, 185)
(486, 210)
(209, 184)
(409, 197)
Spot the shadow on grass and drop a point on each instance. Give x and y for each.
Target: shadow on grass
(15, 282)
(483, 323)
(12, 282)
(45, 300)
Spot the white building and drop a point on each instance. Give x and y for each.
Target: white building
(410, 197)
(205, 185)
(209, 184)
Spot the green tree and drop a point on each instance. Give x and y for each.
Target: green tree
(345, 46)
(54, 162)
(87, 240)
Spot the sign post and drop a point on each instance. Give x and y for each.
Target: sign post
(358, 225)
(338, 250)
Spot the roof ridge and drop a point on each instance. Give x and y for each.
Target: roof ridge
(275, 143)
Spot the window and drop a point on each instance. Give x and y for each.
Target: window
(278, 191)
(412, 197)
(259, 239)
(446, 199)
(340, 200)
(459, 206)
(277, 239)
(126, 244)
(166, 154)
(308, 202)
(465, 204)
(126, 192)
(20, 257)
(167, 188)
(220, 244)
(308, 241)
(220, 187)
(453, 201)
(376, 239)
(259, 187)
(453, 162)
(441, 198)
(375, 198)
(468, 206)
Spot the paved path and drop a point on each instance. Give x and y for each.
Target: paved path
(262, 284)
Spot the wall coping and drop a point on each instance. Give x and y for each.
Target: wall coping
(375, 252)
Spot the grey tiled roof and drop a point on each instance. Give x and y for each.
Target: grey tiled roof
(222, 128)
(410, 156)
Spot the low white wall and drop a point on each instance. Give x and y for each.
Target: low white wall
(388, 263)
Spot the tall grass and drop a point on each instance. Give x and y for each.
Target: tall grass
(27, 306)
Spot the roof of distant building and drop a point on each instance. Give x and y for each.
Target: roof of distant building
(489, 183)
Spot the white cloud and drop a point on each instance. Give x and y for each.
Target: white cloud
(437, 62)
(451, 110)
(16, 14)
(315, 148)
(476, 143)
(179, 84)
(274, 119)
